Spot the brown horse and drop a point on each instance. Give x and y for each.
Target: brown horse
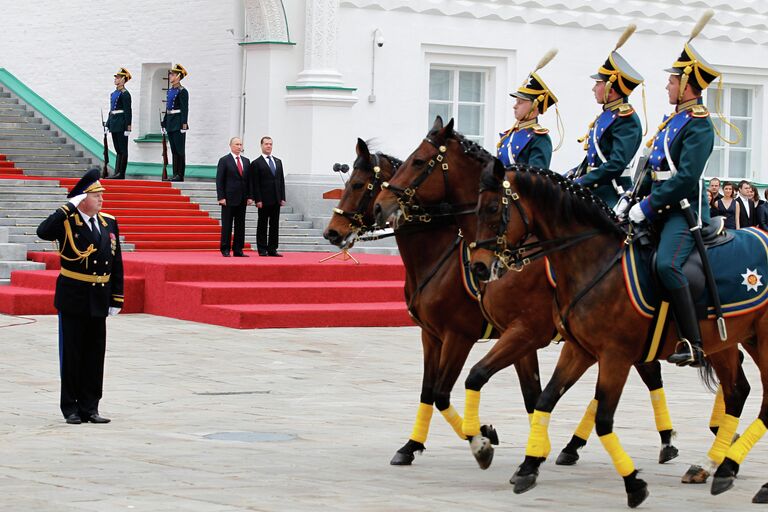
(585, 243)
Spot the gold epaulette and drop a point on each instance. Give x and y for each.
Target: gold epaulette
(538, 129)
(699, 111)
(107, 215)
(625, 109)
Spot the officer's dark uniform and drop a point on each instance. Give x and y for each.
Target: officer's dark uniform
(527, 142)
(175, 120)
(679, 153)
(614, 136)
(120, 117)
(90, 282)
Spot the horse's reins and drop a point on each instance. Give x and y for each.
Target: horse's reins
(355, 217)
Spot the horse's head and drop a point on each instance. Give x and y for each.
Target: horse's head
(354, 213)
(521, 202)
(438, 179)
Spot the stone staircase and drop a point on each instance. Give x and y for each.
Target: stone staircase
(297, 234)
(32, 145)
(13, 256)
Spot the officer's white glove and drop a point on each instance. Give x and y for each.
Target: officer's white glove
(78, 199)
(621, 206)
(114, 311)
(636, 214)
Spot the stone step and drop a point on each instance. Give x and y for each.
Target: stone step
(14, 109)
(6, 267)
(32, 123)
(50, 166)
(5, 231)
(18, 116)
(7, 100)
(39, 130)
(4, 94)
(10, 251)
(42, 136)
(44, 151)
(21, 185)
(48, 144)
(56, 174)
(25, 160)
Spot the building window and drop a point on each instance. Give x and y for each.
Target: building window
(736, 104)
(458, 94)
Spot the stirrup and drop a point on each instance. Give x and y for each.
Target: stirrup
(692, 358)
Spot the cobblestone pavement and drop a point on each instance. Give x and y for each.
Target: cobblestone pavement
(207, 418)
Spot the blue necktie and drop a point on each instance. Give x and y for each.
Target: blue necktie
(271, 165)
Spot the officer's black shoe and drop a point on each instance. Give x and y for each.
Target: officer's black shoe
(688, 350)
(95, 418)
(176, 177)
(74, 419)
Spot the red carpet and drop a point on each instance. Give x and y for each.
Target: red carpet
(244, 293)
(153, 215)
(8, 168)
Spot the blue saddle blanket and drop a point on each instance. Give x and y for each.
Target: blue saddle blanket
(740, 268)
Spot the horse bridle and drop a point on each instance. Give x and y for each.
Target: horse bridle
(355, 217)
(406, 197)
(518, 256)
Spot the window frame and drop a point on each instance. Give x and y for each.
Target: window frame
(455, 102)
(723, 147)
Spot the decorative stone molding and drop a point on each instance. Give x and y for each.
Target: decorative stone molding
(736, 21)
(265, 21)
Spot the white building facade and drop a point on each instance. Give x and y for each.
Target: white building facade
(317, 74)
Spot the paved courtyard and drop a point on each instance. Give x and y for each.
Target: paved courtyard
(208, 418)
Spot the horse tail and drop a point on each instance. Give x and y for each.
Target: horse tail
(707, 376)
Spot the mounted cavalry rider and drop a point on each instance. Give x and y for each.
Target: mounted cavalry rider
(527, 142)
(679, 154)
(616, 133)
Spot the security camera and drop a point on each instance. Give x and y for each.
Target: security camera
(378, 37)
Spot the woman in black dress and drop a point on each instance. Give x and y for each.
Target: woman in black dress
(728, 207)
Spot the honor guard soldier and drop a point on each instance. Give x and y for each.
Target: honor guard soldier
(119, 121)
(527, 142)
(175, 119)
(679, 153)
(88, 289)
(615, 135)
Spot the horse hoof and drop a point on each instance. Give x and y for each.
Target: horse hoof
(566, 458)
(667, 453)
(483, 450)
(637, 496)
(490, 432)
(695, 475)
(402, 459)
(720, 484)
(523, 483)
(762, 495)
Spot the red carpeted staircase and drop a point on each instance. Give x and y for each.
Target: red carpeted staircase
(8, 168)
(244, 293)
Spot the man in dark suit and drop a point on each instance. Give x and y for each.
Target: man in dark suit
(119, 121)
(747, 216)
(88, 289)
(268, 184)
(233, 190)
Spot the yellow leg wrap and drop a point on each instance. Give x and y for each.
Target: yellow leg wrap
(471, 425)
(718, 409)
(587, 423)
(739, 450)
(538, 439)
(421, 425)
(454, 420)
(660, 410)
(722, 442)
(621, 459)
(530, 419)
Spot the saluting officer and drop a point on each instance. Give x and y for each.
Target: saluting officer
(616, 133)
(119, 121)
(679, 153)
(175, 119)
(527, 142)
(89, 287)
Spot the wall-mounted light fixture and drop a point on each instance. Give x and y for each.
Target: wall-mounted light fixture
(378, 42)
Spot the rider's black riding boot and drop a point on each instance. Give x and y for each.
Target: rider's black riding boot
(688, 350)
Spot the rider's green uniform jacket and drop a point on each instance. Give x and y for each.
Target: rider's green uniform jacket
(689, 138)
(611, 144)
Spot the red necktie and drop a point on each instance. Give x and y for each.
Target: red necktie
(239, 166)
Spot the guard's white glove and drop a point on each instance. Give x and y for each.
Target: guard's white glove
(621, 206)
(114, 311)
(636, 214)
(126, 133)
(78, 199)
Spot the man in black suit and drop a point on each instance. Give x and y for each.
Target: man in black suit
(747, 216)
(268, 184)
(88, 289)
(233, 190)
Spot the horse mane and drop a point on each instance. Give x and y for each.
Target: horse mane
(470, 147)
(563, 197)
(371, 144)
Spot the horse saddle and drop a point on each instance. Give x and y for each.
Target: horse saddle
(739, 260)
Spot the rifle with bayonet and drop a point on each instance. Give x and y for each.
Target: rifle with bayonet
(165, 148)
(104, 170)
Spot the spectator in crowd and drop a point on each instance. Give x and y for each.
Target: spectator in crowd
(714, 188)
(746, 214)
(712, 205)
(233, 190)
(762, 212)
(728, 207)
(756, 199)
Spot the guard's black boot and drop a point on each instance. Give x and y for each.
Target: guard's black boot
(175, 176)
(182, 166)
(178, 173)
(688, 350)
(120, 164)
